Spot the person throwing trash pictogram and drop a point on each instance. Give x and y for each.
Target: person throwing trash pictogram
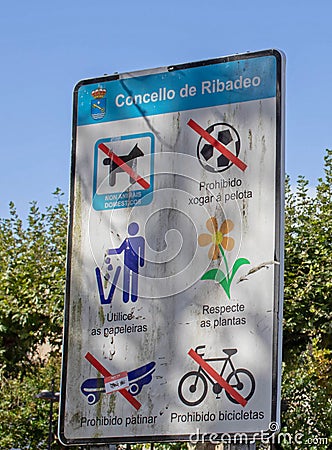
(133, 248)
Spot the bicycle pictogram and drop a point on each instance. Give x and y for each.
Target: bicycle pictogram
(193, 386)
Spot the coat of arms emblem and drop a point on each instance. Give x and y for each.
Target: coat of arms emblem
(98, 104)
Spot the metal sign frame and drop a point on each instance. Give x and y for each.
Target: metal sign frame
(100, 114)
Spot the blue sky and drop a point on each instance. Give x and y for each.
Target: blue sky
(47, 47)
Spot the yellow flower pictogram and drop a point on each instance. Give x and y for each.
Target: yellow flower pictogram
(220, 242)
(217, 237)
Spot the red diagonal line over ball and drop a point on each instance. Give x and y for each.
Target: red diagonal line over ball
(218, 145)
(218, 378)
(124, 166)
(97, 365)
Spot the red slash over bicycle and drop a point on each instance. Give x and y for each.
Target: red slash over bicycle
(193, 386)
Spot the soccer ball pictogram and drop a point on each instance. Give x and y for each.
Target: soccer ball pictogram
(211, 158)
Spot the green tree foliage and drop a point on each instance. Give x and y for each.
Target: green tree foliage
(308, 263)
(307, 389)
(32, 277)
(307, 341)
(24, 419)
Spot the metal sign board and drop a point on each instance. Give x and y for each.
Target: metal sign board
(174, 279)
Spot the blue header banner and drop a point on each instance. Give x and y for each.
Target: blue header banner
(178, 90)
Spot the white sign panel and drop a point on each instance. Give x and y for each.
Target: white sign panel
(173, 306)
